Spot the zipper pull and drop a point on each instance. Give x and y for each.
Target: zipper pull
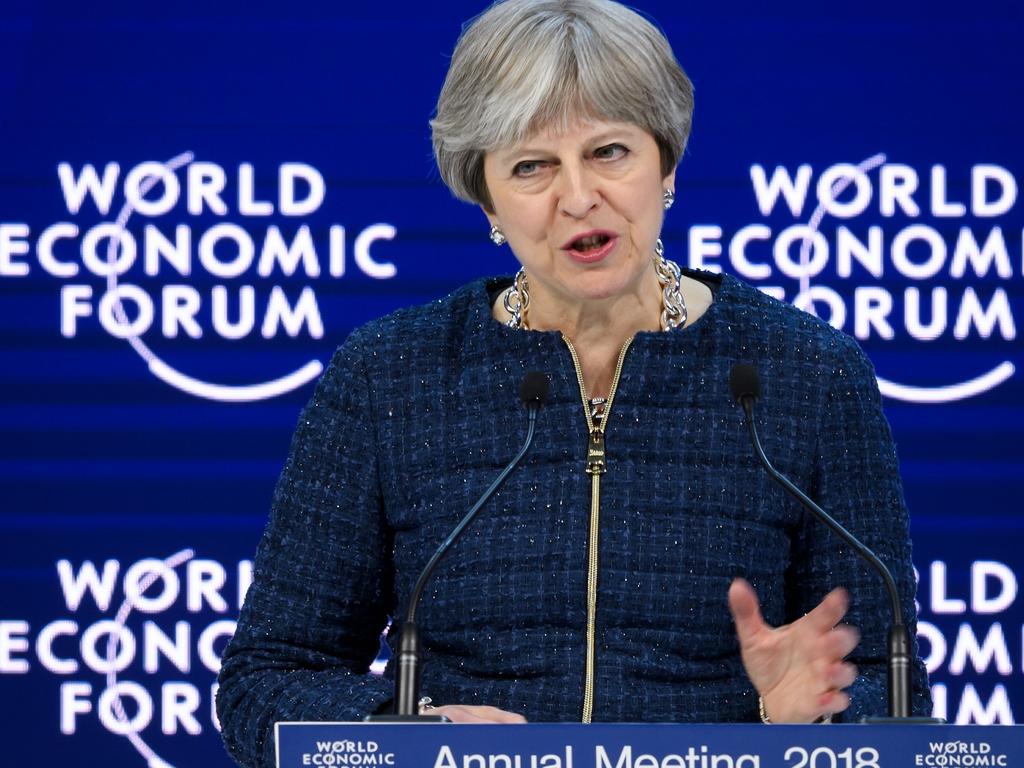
(596, 464)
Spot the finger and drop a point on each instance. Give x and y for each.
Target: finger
(459, 714)
(746, 612)
(841, 641)
(834, 702)
(511, 717)
(829, 611)
(841, 675)
(455, 714)
(829, 653)
(477, 714)
(501, 716)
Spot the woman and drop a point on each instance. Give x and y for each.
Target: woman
(598, 583)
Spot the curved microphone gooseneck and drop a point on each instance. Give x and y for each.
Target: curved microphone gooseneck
(746, 389)
(533, 391)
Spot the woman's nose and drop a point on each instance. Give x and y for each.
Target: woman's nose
(579, 194)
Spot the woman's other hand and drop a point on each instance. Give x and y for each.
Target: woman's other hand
(459, 713)
(798, 669)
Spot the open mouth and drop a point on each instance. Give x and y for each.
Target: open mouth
(589, 243)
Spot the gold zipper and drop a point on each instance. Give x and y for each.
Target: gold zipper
(597, 465)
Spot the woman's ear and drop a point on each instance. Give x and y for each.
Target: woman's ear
(669, 182)
(492, 218)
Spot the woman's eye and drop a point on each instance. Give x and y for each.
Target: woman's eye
(610, 152)
(526, 168)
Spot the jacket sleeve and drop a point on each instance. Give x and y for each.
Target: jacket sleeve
(311, 621)
(857, 481)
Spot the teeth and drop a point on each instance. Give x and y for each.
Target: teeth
(589, 242)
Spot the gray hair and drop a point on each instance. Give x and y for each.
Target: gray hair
(526, 65)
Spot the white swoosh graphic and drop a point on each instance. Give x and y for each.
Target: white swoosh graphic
(949, 392)
(234, 394)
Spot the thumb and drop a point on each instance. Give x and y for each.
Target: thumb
(746, 611)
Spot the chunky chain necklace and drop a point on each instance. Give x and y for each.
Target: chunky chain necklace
(516, 298)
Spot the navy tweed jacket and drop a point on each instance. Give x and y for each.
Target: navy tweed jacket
(417, 413)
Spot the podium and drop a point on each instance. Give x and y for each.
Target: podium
(647, 745)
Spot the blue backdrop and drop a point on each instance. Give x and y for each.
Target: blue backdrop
(149, 391)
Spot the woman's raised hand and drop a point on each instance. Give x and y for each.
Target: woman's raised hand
(798, 669)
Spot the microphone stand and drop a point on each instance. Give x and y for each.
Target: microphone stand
(899, 656)
(533, 390)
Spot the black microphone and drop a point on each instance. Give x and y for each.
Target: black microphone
(533, 391)
(746, 389)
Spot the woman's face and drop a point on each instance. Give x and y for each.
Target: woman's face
(581, 209)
